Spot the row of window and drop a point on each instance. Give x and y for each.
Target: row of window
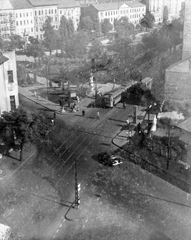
(24, 22)
(25, 30)
(45, 11)
(23, 14)
(122, 11)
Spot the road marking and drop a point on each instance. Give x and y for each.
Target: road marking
(57, 230)
(60, 225)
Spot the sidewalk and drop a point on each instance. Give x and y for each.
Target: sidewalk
(28, 92)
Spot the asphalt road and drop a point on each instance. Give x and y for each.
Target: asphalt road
(118, 203)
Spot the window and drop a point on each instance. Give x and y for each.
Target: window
(27, 21)
(10, 76)
(31, 14)
(20, 14)
(31, 21)
(39, 12)
(12, 103)
(60, 11)
(42, 12)
(52, 11)
(16, 15)
(27, 14)
(55, 10)
(31, 29)
(49, 11)
(20, 22)
(36, 29)
(23, 14)
(17, 23)
(45, 12)
(24, 22)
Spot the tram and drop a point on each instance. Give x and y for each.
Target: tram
(113, 97)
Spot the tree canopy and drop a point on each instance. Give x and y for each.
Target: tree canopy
(106, 26)
(123, 28)
(148, 20)
(49, 35)
(24, 127)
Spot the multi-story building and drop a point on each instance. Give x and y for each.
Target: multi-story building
(43, 9)
(7, 20)
(115, 10)
(156, 7)
(24, 18)
(70, 9)
(8, 82)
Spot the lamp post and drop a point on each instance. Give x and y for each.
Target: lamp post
(77, 187)
(94, 78)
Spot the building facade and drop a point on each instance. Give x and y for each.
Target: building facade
(7, 19)
(43, 9)
(24, 18)
(111, 11)
(178, 76)
(9, 100)
(71, 10)
(156, 7)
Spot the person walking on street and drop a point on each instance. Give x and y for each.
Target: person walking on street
(54, 115)
(127, 121)
(83, 112)
(98, 115)
(124, 105)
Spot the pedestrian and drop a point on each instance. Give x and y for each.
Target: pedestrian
(52, 122)
(54, 115)
(127, 121)
(83, 112)
(98, 115)
(124, 105)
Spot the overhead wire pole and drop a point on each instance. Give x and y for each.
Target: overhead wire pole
(77, 186)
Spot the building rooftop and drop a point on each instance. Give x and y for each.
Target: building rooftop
(115, 5)
(21, 4)
(5, 5)
(37, 3)
(66, 3)
(186, 125)
(3, 59)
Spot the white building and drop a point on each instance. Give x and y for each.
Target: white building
(43, 9)
(71, 10)
(7, 20)
(8, 82)
(133, 10)
(24, 18)
(156, 7)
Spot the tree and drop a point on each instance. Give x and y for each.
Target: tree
(86, 24)
(34, 49)
(106, 26)
(63, 32)
(49, 35)
(77, 45)
(70, 27)
(123, 27)
(148, 20)
(25, 128)
(96, 51)
(165, 14)
(182, 12)
(17, 41)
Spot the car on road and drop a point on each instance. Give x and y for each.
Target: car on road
(109, 160)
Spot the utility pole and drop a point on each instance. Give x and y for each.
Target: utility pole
(77, 187)
(169, 147)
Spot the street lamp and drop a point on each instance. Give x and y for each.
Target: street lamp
(93, 67)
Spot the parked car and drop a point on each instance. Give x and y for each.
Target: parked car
(109, 160)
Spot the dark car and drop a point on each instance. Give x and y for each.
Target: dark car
(109, 160)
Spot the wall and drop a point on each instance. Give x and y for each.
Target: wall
(178, 82)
